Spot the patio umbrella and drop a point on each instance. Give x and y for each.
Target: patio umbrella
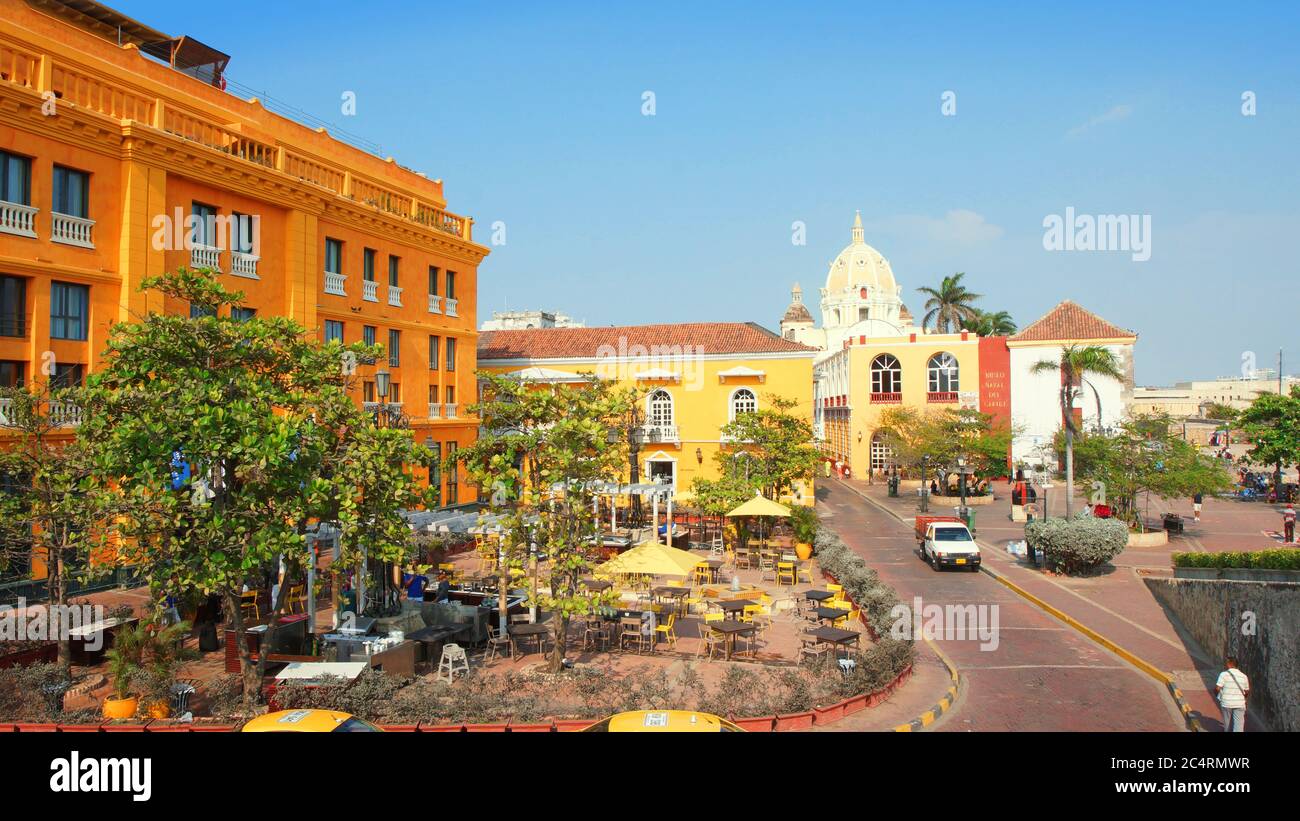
(760, 506)
(651, 558)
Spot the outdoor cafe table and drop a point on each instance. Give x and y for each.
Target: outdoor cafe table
(731, 629)
(818, 596)
(831, 613)
(432, 638)
(733, 606)
(537, 631)
(674, 593)
(835, 636)
(596, 585)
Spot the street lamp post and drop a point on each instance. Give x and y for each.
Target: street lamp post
(925, 491)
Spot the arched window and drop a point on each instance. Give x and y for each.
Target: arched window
(886, 374)
(943, 373)
(743, 401)
(882, 456)
(660, 408)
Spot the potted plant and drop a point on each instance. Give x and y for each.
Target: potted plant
(803, 520)
(149, 656)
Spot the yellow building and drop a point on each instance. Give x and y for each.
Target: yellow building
(122, 155)
(693, 378)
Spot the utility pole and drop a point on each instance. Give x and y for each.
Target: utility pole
(1277, 470)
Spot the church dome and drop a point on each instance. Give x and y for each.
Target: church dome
(860, 265)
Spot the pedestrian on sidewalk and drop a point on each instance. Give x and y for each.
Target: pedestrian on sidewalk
(1288, 524)
(1197, 498)
(1232, 688)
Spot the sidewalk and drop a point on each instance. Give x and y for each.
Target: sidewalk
(1116, 604)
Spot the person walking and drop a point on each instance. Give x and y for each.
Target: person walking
(1197, 499)
(1288, 524)
(1232, 688)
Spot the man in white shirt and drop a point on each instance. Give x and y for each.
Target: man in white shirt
(1232, 688)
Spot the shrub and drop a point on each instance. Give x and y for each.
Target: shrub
(1077, 545)
(1278, 559)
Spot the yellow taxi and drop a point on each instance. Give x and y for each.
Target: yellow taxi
(663, 721)
(309, 721)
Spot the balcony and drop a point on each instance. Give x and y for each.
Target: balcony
(71, 230)
(887, 398)
(449, 410)
(435, 410)
(451, 307)
(656, 434)
(395, 296)
(370, 290)
(435, 304)
(243, 265)
(17, 219)
(334, 283)
(205, 256)
(941, 397)
(60, 414)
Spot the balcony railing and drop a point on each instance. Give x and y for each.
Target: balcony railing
(451, 307)
(205, 256)
(71, 230)
(937, 397)
(435, 410)
(658, 433)
(435, 304)
(60, 414)
(334, 283)
(887, 398)
(449, 410)
(243, 265)
(395, 296)
(369, 290)
(17, 219)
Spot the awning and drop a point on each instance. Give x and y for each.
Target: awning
(549, 375)
(657, 374)
(741, 372)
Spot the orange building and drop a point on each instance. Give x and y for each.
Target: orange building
(122, 156)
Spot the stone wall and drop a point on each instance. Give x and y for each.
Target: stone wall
(1213, 612)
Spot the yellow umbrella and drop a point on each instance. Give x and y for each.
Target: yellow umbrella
(760, 506)
(651, 559)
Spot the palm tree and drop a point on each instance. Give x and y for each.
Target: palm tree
(988, 323)
(1076, 362)
(949, 304)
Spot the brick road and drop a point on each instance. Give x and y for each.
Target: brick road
(1042, 675)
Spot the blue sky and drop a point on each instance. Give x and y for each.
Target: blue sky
(771, 113)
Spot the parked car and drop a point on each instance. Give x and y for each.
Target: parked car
(663, 721)
(945, 541)
(309, 721)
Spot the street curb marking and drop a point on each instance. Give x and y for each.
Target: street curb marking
(943, 705)
(1193, 723)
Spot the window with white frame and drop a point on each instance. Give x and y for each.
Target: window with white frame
(660, 408)
(886, 374)
(943, 373)
(743, 401)
(882, 455)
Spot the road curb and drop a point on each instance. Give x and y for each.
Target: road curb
(943, 705)
(1193, 723)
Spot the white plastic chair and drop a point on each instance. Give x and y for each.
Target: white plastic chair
(453, 661)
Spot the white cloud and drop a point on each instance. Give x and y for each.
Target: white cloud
(1119, 112)
(957, 227)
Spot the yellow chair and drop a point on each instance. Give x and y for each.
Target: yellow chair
(804, 571)
(751, 610)
(666, 630)
(295, 599)
(710, 640)
(248, 601)
(785, 572)
(838, 590)
(703, 574)
(676, 583)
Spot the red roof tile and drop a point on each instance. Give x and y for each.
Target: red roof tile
(577, 343)
(1071, 321)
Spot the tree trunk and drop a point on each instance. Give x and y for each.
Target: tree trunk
(1069, 470)
(58, 597)
(248, 671)
(561, 640)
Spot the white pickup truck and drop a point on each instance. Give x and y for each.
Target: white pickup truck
(945, 541)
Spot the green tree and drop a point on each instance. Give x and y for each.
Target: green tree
(946, 435)
(771, 447)
(948, 305)
(541, 454)
(1220, 412)
(1075, 364)
(259, 413)
(53, 508)
(1144, 456)
(988, 323)
(1272, 423)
